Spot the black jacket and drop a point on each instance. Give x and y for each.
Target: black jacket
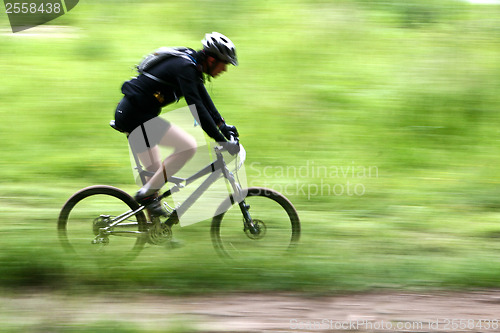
(183, 78)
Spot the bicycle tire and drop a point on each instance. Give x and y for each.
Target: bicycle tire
(103, 200)
(274, 211)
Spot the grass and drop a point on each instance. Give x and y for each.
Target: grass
(98, 327)
(326, 92)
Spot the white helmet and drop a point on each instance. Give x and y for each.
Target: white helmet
(220, 47)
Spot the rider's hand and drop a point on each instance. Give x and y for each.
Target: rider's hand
(229, 130)
(233, 147)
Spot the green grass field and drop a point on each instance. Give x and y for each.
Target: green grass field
(378, 121)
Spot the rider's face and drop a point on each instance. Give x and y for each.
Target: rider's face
(215, 67)
(219, 68)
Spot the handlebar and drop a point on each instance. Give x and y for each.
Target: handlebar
(232, 139)
(239, 157)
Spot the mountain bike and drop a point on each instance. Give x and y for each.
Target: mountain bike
(104, 220)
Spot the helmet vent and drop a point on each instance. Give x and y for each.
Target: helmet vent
(220, 47)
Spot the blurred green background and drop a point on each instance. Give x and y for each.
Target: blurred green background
(378, 119)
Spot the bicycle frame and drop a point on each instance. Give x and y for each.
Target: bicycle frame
(215, 170)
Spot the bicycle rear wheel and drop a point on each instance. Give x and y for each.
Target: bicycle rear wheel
(275, 217)
(93, 208)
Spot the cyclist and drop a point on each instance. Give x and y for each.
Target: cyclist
(181, 75)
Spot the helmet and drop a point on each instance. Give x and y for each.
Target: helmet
(220, 47)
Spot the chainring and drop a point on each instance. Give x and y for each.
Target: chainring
(159, 233)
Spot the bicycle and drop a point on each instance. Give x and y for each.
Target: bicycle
(96, 217)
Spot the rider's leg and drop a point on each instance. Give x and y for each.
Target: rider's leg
(184, 149)
(151, 159)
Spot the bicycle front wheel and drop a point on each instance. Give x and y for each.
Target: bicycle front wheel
(96, 207)
(275, 218)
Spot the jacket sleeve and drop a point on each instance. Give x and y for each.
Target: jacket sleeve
(195, 94)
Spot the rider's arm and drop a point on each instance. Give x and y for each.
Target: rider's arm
(195, 93)
(207, 101)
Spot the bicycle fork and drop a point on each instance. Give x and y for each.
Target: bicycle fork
(239, 197)
(248, 223)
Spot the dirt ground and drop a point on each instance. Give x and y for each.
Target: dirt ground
(378, 312)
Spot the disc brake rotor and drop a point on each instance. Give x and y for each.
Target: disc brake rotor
(260, 227)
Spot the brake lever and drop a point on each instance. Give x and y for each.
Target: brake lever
(233, 138)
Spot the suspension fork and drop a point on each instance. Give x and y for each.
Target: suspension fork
(247, 219)
(248, 223)
(238, 196)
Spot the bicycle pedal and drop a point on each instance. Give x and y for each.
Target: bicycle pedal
(172, 219)
(168, 208)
